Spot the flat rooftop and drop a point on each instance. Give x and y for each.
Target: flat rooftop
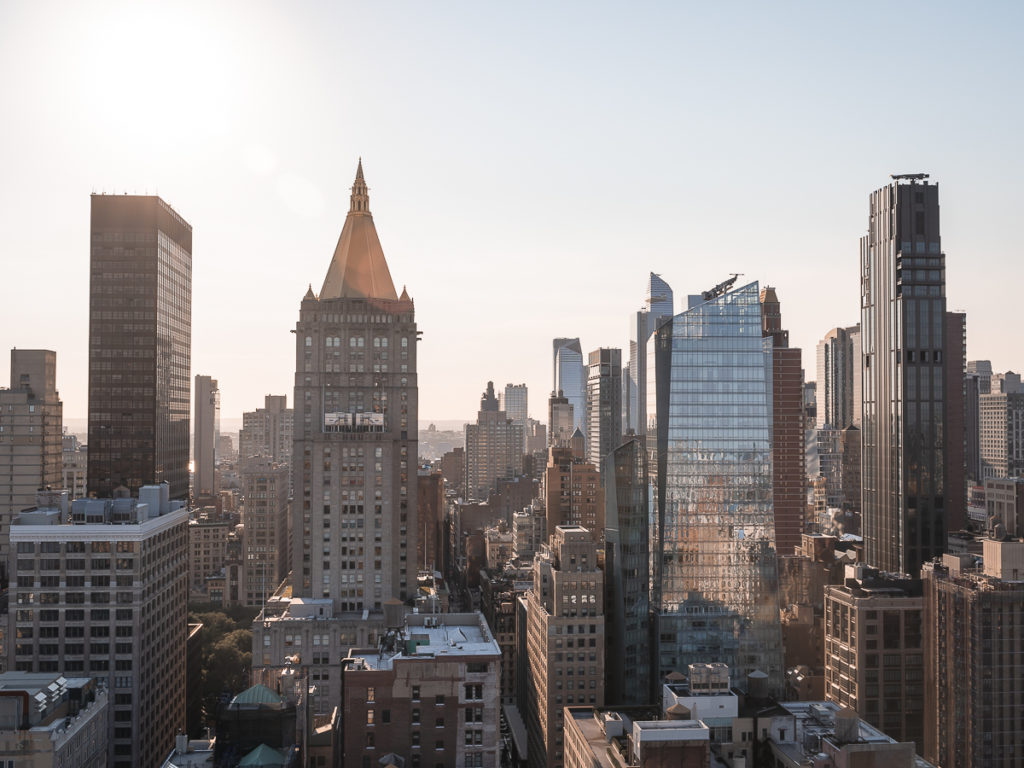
(435, 636)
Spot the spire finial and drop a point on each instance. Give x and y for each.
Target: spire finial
(360, 194)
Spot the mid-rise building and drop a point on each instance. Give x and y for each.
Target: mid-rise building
(603, 403)
(207, 546)
(904, 349)
(50, 721)
(1004, 505)
(709, 440)
(570, 378)
(598, 738)
(565, 639)
(430, 508)
(974, 677)
(428, 694)
(627, 568)
(528, 532)
(874, 650)
(31, 449)
(266, 540)
(789, 486)
(1001, 435)
(494, 447)
(140, 341)
(268, 431)
(207, 433)
(105, 596)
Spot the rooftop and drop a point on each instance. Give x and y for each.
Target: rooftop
(427, 637)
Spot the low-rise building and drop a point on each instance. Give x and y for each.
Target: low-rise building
(596, 738)
(428, 694)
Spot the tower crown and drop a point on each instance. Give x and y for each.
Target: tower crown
(358, 269)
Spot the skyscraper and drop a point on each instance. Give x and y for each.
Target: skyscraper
(604, 403)
(839, 379)
(627, 569)
(714, 570)
(561, 418)
(903, 307)
(140, 342)
(354, 516)
(789, 487)
(570, 379)
(657, 307)
(514, 403)
(207, 432)
(565, 605)
(1001, 434)
(265, 539)
(31, 449)
(494, 447)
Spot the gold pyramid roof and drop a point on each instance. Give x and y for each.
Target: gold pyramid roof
(358, 269)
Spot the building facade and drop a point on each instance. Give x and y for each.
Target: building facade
(268, 431)
(657, 308)
(494, 447)
(565, 639)
(874, 649)
(140, 341)
(570, 377)
(838, 390)
(266, 537)
(207, 434)
(709, 441)
(106, 596)
(974, 679)
(354, 518)
(789, 486)
(31, 448)
(573, 493)
(428, 694)
(603, 403)
(627, 568)
(903, 342)
(1001, 435)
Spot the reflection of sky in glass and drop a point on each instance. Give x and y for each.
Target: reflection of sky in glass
(710, 404)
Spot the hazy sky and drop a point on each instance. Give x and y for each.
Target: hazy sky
(528, 165)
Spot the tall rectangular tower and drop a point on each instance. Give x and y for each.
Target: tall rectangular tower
(903, 339)
(713, 560)
(604, 403)
(657, 307)
(140, 342)
(354, 515)
(31, 451)
(207, 432)
(570, 378)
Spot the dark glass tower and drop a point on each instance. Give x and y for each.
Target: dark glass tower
(140, 342)
(903, 328)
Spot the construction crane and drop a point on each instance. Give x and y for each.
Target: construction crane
(721, 288)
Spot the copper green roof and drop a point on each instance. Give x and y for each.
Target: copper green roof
(258, 694)
(262, 756)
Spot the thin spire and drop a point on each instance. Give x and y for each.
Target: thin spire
(360, 201)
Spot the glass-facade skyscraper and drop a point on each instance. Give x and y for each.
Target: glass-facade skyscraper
(714, 574)
(570, 378)
(140, 342)
(657, 308)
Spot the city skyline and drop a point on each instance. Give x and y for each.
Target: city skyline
(537, 200)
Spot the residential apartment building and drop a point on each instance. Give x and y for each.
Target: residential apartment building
(494, 447)
(268, 431)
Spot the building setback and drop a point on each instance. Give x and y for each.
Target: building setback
(105, 596)
(140, 341)
(494, 447)
(268, 431)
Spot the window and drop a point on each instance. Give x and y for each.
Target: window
(416, 694)
(439, 700)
